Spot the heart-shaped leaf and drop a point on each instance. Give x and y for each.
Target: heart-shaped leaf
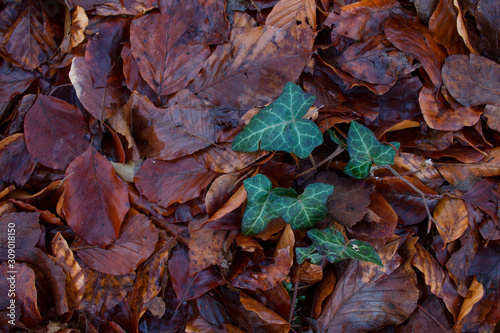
(364, 149)
(306, 210)
(330, 245)
(279, 126)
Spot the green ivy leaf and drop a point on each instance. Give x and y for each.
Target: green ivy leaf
(364, 149)
(279, 126)
(260, 209)
(337, 138)
(330, 245)
(306, 210)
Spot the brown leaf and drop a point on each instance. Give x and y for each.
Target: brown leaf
(14, 80)
(476, 292)
(439, 115)
(418, 167)
(485, 195)
(117, 7)
(452, 218)
(310, 273)
(236, 74)
(55, 132)
(95, 200)
(103, 291)
(21, 229)
(29, 41)
(167, 182)
(267, 316)
(16, 164)
(18, 284)
(488, 22)
(350, 199)
(443, 25)
(181, 129)
(368, 297)
(75, 285)
(100, 102)
(416, 40)
(362, 19)
(223, 159)
(74, 28)
(169, 56)
(373, 60)
(403, 199)
(206, 247)
(430, 317)
(492, 113)
(188, 287)
(268, 276)
(472, 80)
(135, 244)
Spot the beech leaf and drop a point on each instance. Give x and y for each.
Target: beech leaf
(279, 126)
(364, 149)
(329, 244)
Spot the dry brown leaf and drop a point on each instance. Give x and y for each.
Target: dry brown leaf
(73, 28)
(443, 25)
(267, 316)
(476, 292)
(452, 218)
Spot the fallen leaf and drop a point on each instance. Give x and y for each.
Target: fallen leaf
(16, 164)
(472, 80)
(14, 80)
(117, 7)
(136, 243)
(74, 27)
(488, 22)
(236, 73)
(206, 247)
(26, 230)
(223, 159)
(181, 129)
(492, 113)
(429, 316)
(95, 200)
(443, 25)
(476, 292)
(55, 132)
(452, 218)
(267, 316)
(368, 296)
(177, 181)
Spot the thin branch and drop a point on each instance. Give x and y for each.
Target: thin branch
(413, 187)
(326, 160)
(294, 296)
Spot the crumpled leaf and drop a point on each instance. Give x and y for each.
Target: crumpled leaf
(307, 209)
(268, 276)
(95, 200)
(260, 210)
(472, 80)
(364, 148)
(279, 126)
(55, 132)
(135, 244)
(330, 245)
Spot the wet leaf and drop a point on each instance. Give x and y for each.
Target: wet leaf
(136, 243)
(330, 245)
(279, 126)
(55, 132)
(167, 182)
(95, 200)
(472, 80)
(364, 149)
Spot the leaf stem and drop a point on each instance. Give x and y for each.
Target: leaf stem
(326, 160)
(294, 296)
(416, 189)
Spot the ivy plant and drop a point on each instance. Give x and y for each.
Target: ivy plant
(280, 127)
(364, 150)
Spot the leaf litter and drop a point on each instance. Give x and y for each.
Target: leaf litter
(158, 174)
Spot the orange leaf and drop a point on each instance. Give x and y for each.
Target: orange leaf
(95, 200)
(476, 292)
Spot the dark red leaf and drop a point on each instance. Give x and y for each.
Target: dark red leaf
(16, 164)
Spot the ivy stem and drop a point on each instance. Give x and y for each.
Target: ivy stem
(413, 187)
(326, 160)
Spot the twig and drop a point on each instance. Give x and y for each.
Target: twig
(413, 187)
(328, 159)
(294, 296)
(311, 158)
